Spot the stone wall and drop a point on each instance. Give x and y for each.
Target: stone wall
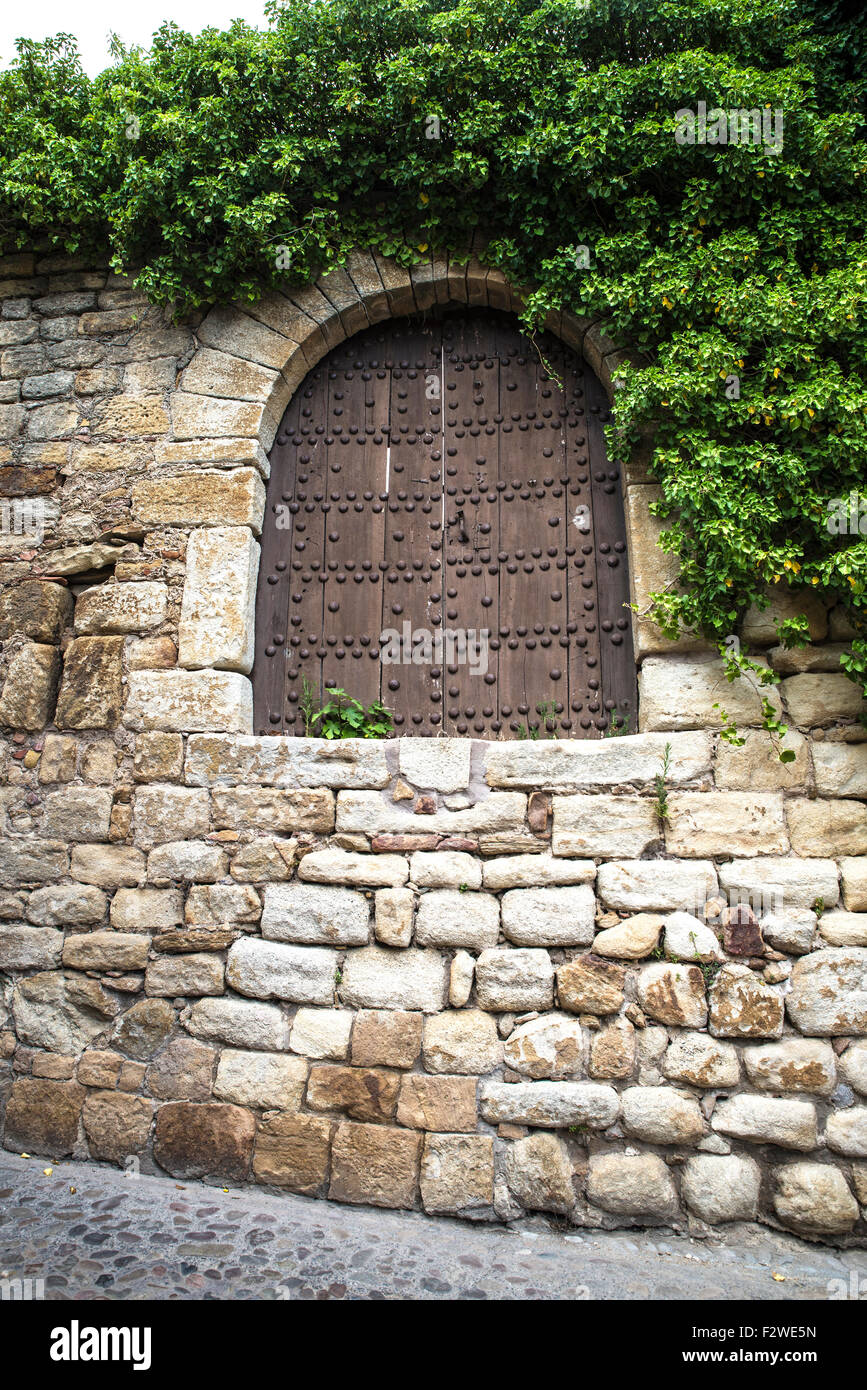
(476, 978)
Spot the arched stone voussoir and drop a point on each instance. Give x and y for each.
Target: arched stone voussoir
(213, 373)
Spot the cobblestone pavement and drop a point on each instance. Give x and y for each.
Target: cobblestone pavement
(93, 1233)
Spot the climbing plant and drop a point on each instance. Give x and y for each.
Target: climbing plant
(221, 166)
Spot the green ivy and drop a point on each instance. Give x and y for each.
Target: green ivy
(221, 166)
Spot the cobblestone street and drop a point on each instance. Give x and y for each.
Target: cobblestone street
(93, 1233)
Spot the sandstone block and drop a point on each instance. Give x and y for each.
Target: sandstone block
(441, 765)
(612, 1051)
(447, 917)
(535, 871)
(549, 916)
(640, 885)
(183, 1071)
(852, 1065)
(457, 1172)
(539, 1173)
(215, 759)
(829, 992)
(61, 1011)
(58, 760)
(239, 1023)
(698, 1060)
(590, 986)
(840, 768)
(186, 861)
(151, 910)
(143, 1028)
(439, 1103)
(185, 975)
(463, 1042)
(27, 700)
(216, 627)
(345, 866)
(218, 904)
(120, 608)
(756, 766)
(394, 909)
(780, 884)
(793, 932)
(579, 764)
(292, 1152)
(188, 701)
(846, 1132)
(265, 861)
(854, 874)
(164, 813)
(632, 1186)
(77, 813)
(721, 1187)
(686, 938)
(462, 973)
(386, 1038)
(117, 1126)
(377, 978)
(632, 939)
(322, 1034)
(549, 1104)
(673, 994)
(661, 1115)
(106, 950)
(843, 929)
(361, 1093)
(32, 861)
(29, 948)
(42, 1116)
(272, 970)
(742, 1005)
(91, 692)
(445, 870)
(712, 823)
(158, 757)
(514, 980)
(36, 609)
(817, 699)
(204, 1141)
(367, 813)
(261, 1080)
(67, 905)
(790, 1124)
(815, 1199)
(208, 497)
(682, 694)
(267, 808)
(825, 828)
(550, 1046)
(311, 914)
(375, 1165)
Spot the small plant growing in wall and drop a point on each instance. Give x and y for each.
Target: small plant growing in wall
(343, 716)
(660, 786)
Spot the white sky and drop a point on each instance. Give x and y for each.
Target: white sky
(91, 21)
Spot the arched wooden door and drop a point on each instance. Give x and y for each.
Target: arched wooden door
(444, 532)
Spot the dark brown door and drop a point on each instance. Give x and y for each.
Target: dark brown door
(444, 533)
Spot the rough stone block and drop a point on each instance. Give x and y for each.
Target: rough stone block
(780, 884)
(639, 1186)
(276, 761)
(42, 1116)
(590, 986)
(188, 701)
(117, 1126)
(313, 914)
(120, 608)
(840, 768)
(186, 860)
(29, 948)
(272, 970)
(448, 917)
(673, 994)
(742, 1005)
(820, 829)
(108, 866)
(292, 1152)
(151, 910)
(535, 871)
(77, 813)
(440, 1103)
(828, 997)
(854, 875)
(268, 808)
(208, 497)
(91, 693)
(756, 766)
(446, 869)
(682, 694)
(721, 1187)
(377, 978)
(394, 910)
(216, 627)
(30, 687)
(239, 1023)
(368, 814)
(176, 976)
(604, 825)
(702, 824)
(184, 1070)
(457, 1173)
(375, 1165)
(655, 885)
(790, 1124)
(462, 1042)
(261, 1080)
(698, 1060)
(550, 1047)
(66, 905)
(36, 609)
(793, 1064)
(361, 1093)
(514, 980)
(813, 700)
(322, 1034)
(549, 916)
(584, 764)
(441, 765)
(158, 758)
(106, 950)
(344, 866)
(386, 1038)
(549, 1104)
(204, 1141)
(164, 813)
(814, 1199)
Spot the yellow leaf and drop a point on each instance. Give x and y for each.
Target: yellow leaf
(424, 198)
(423, 246)
(778, 1278)
(810, 412)
(48, 1172)
(776, 372)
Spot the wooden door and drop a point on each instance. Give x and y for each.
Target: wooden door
(445, 533)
